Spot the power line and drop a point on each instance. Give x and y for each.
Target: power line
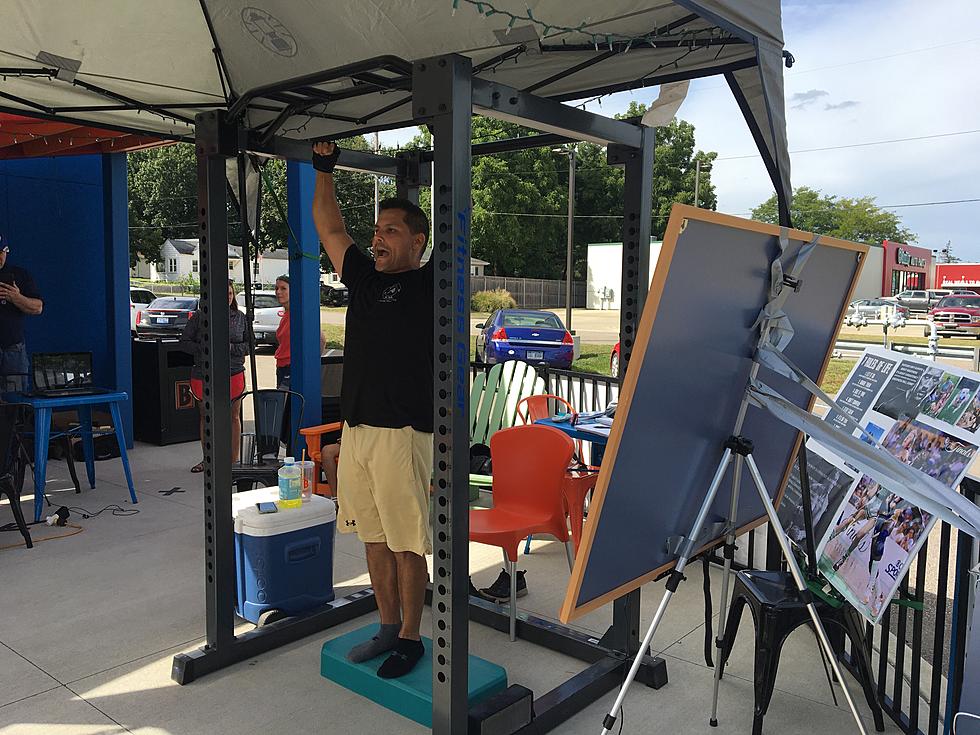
(861, 145)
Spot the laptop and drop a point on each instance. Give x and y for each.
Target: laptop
(59, 374)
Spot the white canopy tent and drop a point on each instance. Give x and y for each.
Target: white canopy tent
(237, 79)
(151, 67)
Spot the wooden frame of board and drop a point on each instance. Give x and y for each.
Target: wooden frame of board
(680, 215)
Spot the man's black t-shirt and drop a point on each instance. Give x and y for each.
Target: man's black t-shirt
(387, 346)
(12, 318)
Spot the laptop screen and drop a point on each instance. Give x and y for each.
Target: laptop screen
(53, 370)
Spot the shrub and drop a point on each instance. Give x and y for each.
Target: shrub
(490, 301)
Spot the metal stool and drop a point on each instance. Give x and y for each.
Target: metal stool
(777, 611)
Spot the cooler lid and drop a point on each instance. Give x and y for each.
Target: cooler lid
(315, 512)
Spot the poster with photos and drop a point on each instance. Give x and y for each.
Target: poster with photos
(927, 416)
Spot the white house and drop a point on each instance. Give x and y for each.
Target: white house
(180, 259)
(272, 264)
(605, 275)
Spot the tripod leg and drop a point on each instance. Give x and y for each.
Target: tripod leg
(723, 603)
(801, 586)
(689, 547)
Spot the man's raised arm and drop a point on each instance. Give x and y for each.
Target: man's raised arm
(326, 212)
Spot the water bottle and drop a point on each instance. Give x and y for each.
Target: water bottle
(290, 484)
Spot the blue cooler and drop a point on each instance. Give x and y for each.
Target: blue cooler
(284, 559)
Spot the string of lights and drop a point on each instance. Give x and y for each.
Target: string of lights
(597, 39)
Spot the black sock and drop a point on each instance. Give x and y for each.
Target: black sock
(407, 653)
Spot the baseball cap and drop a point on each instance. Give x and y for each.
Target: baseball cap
(4, 246)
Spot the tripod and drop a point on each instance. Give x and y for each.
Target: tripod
(740, 449)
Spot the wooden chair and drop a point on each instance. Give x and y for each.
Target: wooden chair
(494, 398)
(314, 451)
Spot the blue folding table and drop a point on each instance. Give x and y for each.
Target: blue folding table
(44, 406)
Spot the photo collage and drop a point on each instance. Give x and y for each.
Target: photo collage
(926, 416)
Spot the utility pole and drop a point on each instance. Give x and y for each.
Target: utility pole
(377, 147)
(569, 265)
(697, 181)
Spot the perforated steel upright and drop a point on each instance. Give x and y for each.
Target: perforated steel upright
(443, 97)
(215, 143)
(637, 213)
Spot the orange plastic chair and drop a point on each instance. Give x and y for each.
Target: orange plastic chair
(529, 464)
(579, 482)
(313, 436)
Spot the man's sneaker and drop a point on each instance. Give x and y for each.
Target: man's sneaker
(474, 592)
(499, 591)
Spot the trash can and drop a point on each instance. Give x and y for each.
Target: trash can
(284, 560)
(164, 411)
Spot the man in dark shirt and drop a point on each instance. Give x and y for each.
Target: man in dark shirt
(19, 296)
(386, 402)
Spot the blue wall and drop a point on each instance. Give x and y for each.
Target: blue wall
(66, 222)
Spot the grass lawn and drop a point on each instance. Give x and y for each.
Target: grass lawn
(837, 371)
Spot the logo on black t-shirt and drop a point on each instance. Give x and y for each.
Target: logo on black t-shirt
(390, 294)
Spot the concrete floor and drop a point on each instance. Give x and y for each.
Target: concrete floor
(91, 623)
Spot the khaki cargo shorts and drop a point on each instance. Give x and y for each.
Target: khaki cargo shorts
(383, 487)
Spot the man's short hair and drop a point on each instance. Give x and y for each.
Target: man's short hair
(284, 278)
(414, 216)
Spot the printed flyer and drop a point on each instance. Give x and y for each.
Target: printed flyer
(925, 415)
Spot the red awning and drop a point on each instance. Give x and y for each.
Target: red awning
(28, 137)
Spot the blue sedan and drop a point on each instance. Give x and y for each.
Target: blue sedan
(537, 337)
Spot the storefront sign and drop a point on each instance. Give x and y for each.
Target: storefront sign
(904, 257)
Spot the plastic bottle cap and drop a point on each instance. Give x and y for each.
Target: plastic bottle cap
(289, 460)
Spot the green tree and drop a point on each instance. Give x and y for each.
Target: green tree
(163, 200)
(520, 199)
(857, 220)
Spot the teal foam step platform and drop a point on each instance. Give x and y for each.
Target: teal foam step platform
(411, 695)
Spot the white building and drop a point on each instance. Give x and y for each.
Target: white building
(180, 259)
(272, 264)
(605, 275)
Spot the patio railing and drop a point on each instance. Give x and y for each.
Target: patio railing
(919, 647)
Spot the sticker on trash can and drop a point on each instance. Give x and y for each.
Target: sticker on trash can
(183, 398)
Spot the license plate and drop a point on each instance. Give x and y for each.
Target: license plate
(535, 355)
(164, 320)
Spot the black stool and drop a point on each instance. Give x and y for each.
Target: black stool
(777, 611)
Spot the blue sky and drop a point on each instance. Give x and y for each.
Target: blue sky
(865, 72)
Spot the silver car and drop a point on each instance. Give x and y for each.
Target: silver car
(266, 317)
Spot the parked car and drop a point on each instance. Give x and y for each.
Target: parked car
(614, 361)
(958, 315)
(166, 316)
(139, 298)
(332, 291)
(920, 300)
(537, 337)
(266, 316)
(873, 309)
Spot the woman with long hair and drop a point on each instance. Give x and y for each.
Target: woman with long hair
(193, 340)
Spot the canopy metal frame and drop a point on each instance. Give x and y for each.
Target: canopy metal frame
(445, 96)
